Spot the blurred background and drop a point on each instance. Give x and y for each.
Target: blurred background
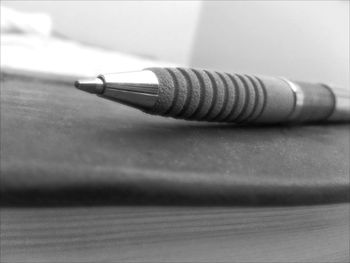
(304, 40)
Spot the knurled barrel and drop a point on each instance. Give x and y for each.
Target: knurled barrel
(239, 98)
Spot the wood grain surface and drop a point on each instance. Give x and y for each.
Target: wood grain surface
(176, 234)
(63, 150)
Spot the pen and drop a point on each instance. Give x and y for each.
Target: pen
(203, 95)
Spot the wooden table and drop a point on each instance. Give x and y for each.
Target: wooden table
(82, 179)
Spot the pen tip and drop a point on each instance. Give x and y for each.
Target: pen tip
(76, 84)
(90, 85)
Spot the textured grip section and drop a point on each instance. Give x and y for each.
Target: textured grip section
(209, 96)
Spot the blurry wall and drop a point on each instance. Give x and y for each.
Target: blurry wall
(155, 29)
(306, 40)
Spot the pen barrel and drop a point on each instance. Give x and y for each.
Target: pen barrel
(239, 98)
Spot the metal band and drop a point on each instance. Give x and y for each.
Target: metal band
(341, 110)
(298, 100)
(334, 99)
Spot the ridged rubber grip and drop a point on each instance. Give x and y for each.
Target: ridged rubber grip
(221, 97)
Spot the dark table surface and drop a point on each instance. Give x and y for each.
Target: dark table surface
(62, 146)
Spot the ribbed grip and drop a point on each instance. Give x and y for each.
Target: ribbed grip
(207, 95)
